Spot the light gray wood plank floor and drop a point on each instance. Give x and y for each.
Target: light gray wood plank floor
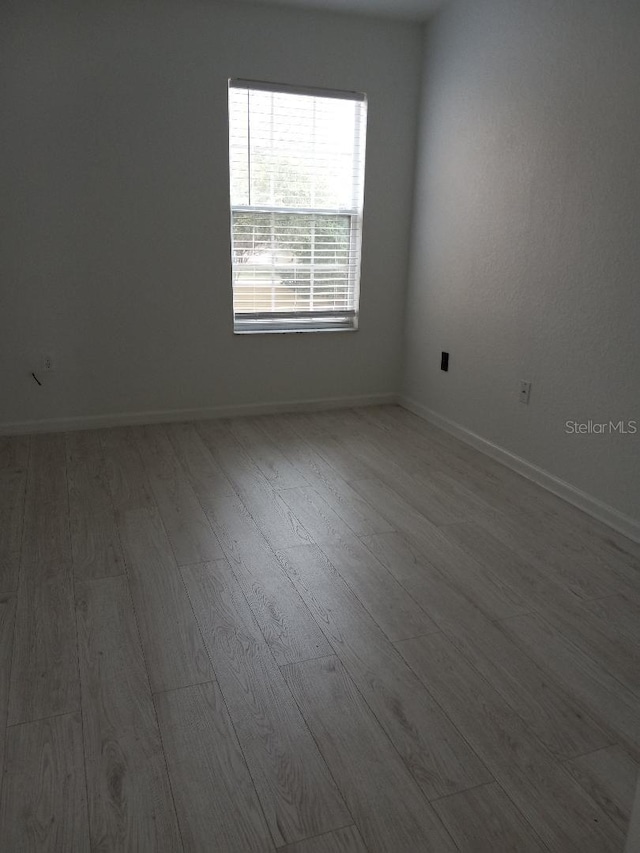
(130, 804)
(336, 632)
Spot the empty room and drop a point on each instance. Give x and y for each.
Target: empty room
(320, 426)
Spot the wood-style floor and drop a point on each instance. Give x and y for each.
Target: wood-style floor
(327, 633)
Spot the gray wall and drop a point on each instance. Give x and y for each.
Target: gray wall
(115, 235)
(526, 242)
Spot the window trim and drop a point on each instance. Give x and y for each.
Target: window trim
(268, 322)
(290, 89)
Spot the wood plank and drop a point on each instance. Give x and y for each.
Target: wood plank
(14, 459)
(217, 805)
(618, 613)
(360, 516)
(188, 529)
(3, 729)
(418, 489)
(341, 458)
(616, 565)
(7, 622)
(427, 436)
(382, 796)
(317, 517)
(94, 537)
(47, 477)
(434, 441)
(338, 421)
(14, 452)
(298, 796)
(7, 619)
(130, 802)
(273, 518)
(44, 803)
(289, 629)
(379, 459)
(173, 647)
(95, 546)
(437, 567)
(307, 425)
(355, 512)
(47, 542)
(612, 541)
(599, 563)
(348, 505)
(346, 840)
(605, 644)
(87, 475)
(610, 647)
(633, 834)
(603, 695)
(561, 813)
(385, 599)
(577, 576)
(390, 605)
(603, 641)
(440, 760)
(424, 479)
(128, 483)
(12, 505)
(435, 545)
(484, 820)
(391, 505)
(44, 673)
(594, 534)
(266, 455)
(481, 485)
(609, 776)
(9, 572)
(536, 588)
(560, 722)
(206, 477)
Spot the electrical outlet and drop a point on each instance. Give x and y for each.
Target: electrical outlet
(525, 391)
(47, 363)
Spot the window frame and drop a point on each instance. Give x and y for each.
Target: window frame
(279, 322)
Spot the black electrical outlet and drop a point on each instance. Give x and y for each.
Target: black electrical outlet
(444, 361)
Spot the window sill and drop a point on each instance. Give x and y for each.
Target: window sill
(263, 324)
(242, 331)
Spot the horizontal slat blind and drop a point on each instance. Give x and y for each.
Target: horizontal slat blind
(297, 188)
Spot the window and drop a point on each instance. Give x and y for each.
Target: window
(297, 190)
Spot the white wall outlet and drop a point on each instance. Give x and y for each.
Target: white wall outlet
(47, 363)
(525, 391)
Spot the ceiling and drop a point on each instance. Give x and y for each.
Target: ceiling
(411, 10)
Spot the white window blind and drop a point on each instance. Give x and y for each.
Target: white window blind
(297, 191)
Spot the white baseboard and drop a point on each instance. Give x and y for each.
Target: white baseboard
(169, 415)
(624, 524)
